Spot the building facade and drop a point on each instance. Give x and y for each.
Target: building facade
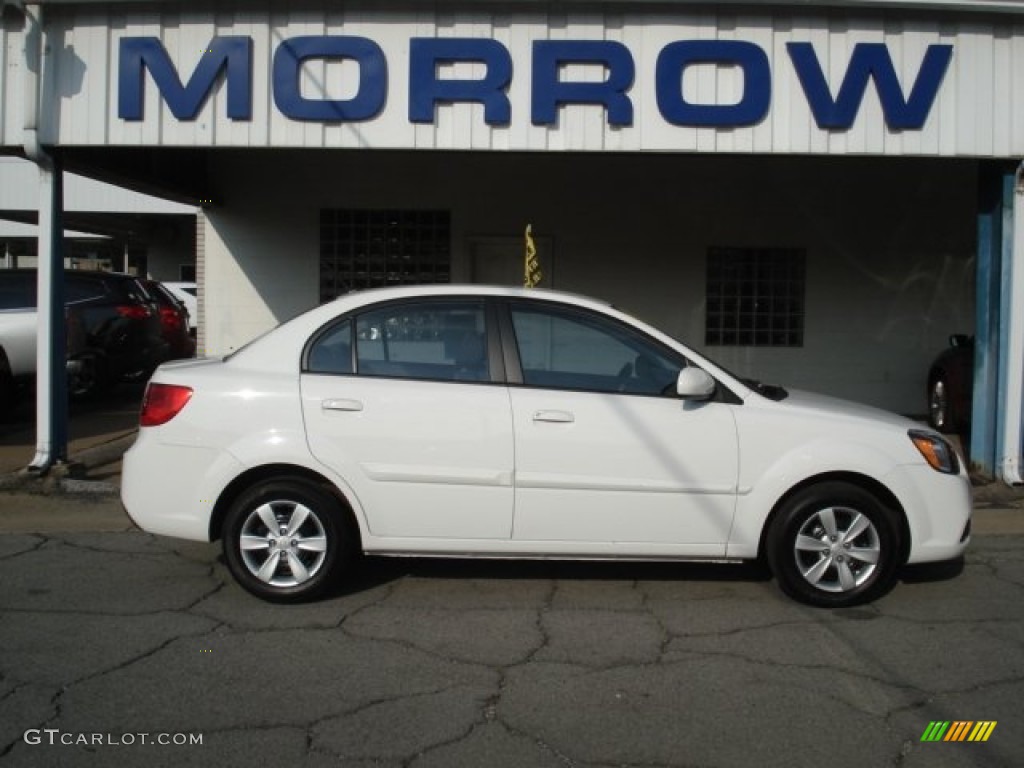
(798, 191)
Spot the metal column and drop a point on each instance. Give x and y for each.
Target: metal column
(999, 326)
(51, 373)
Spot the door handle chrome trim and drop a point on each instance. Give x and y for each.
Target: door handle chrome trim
(554, 417)
(341, 405)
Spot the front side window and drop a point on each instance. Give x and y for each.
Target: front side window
(444, 341)
(570, 350)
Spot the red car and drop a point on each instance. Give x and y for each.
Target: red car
(174, 321)
(951, 386)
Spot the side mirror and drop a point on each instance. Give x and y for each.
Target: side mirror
(959, 340)
(694, 384)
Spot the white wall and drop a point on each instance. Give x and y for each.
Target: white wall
(889, 244)
(977, 112)
(261, 265)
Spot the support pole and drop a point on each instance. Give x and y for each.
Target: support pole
(51, 354)
(1011, 383)
(51, 374)
(986, 325)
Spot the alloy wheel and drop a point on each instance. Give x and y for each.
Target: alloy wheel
(283, 543)
(837, 549)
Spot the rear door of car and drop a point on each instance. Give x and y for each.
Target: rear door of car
(406, 402)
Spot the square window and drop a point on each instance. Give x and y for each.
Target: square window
(758, 292)
(371, 248)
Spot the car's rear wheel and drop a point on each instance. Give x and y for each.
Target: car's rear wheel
(834, 545)
(286, 540)
(87, 376)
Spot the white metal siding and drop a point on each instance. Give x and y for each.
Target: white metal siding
(978, 111)
(889, 245)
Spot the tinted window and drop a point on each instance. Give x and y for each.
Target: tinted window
(435, 340)
(332, 352)
(570, 350)
(83, 288)
(17, 290)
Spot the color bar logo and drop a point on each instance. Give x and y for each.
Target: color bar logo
(958, 730)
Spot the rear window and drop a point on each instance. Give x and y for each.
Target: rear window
(82, 288)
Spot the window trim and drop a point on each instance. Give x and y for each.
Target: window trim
(492, 336)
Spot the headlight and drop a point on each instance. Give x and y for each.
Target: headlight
(936, 451)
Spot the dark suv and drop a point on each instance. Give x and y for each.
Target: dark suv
(113, 328)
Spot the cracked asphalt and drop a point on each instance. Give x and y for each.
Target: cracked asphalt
(119, 636)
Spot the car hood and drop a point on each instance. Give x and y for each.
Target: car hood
(824, 405)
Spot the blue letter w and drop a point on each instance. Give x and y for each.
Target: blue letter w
(870, 61)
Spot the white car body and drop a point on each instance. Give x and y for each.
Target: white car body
(496, 470)
(18, 340)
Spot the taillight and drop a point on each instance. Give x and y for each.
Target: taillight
(133, 311)
(162, 402)
(170, 318)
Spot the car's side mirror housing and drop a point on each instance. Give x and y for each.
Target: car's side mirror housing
(694, 384)
(959, 340)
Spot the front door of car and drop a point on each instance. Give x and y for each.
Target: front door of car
(606, 454)
(399, 401)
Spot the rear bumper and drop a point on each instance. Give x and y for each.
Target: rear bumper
(171, 489)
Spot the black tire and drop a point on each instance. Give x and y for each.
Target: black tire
(940, 409)
(287, 566)
(834, 545)
(89, 379)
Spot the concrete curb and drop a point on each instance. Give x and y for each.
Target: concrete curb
(72, 478)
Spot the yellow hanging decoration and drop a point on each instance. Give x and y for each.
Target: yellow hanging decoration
(532, 274)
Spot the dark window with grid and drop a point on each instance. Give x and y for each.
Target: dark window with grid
(755, 297)
(369, 249)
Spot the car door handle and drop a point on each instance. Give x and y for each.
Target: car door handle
(341, 405)
(557, 417)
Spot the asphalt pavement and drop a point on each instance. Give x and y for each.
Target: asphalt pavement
(123, 647)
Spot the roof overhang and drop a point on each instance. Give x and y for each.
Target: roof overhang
(977, 6)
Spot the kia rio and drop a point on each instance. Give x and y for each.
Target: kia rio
(498, 422)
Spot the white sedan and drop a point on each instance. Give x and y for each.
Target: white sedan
(513, 423)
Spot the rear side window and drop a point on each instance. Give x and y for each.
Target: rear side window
(435, 340)
(17, 290)
(332, 352)
(83, 288)
(444, 341)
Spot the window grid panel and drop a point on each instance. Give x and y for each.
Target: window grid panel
(755, 297)
(362, 249)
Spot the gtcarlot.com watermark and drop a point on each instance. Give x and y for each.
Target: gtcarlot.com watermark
(55, 737)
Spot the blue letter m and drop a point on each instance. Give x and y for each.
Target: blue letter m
(870, 61)
(231, 55)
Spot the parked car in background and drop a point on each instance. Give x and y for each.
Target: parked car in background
(174, 319)
(500, 422)
(17, 337)
(112, 325)
(187, 293)
(951, 386)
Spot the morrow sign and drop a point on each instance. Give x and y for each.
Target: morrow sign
(231, 58)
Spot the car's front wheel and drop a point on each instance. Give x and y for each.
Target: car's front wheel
(834, 545)
(286, 540)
